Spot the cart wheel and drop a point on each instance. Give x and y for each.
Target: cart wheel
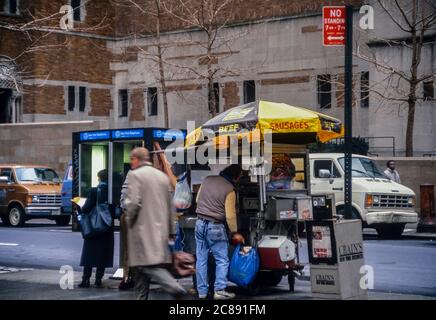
(291, 281)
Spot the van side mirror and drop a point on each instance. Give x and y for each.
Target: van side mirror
(324, 173)
(4, 179)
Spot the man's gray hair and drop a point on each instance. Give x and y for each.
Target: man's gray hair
(141, 153)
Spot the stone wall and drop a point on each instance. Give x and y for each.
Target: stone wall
(42, 143)
(413, 171)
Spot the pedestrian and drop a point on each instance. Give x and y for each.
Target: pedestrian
(216, 213)
(148, 210)
(391, 173)
(127, 281)
(97, 251)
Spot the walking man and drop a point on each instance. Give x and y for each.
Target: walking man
(216, 209)
(391, 173)
(148, 211)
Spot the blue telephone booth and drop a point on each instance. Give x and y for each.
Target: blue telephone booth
(110, 149)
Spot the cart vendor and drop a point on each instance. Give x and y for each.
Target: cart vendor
(216, 209)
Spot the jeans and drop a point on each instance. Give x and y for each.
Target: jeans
(211, 237)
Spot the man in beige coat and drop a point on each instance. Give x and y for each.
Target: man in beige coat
(148, 210)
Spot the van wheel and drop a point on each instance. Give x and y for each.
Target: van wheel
(16, 216)
(63, 220)
(390, 231)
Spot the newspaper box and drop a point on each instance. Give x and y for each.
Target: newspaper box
(336, 259)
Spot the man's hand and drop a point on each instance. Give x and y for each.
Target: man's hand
(237, 238)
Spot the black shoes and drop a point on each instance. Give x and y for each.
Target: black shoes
(84, 284)
(98, 283)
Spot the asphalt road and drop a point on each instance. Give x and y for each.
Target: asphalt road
(400, 266)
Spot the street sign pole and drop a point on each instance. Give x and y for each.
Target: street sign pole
(348, 83)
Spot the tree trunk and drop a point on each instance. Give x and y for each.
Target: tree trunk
(410, 126)
(161, 67)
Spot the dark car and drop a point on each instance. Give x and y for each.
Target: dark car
(66, 191)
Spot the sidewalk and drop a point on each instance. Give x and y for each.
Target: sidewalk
(42, 284)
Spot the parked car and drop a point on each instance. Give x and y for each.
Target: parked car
(67, 191)
(30, 191)
(379, 202)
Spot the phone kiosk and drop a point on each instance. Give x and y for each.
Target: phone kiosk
(110, 149)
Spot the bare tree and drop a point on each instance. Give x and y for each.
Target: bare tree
(209, 17)
(152, 9)
(415, 19)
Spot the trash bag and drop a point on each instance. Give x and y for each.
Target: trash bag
(182, 195)
(244, 266)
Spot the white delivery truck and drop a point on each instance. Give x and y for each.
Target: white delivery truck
(379, 202)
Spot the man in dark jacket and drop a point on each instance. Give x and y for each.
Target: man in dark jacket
(97, 251)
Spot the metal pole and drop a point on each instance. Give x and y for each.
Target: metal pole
(348, 82)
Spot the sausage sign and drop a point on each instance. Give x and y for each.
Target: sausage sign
(333, 24)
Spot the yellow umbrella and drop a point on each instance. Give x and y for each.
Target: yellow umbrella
(286, 123)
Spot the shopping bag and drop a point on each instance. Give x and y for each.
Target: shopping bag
(182, 195)
(244, 266)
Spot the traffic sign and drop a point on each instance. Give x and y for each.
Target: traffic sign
(333, 25)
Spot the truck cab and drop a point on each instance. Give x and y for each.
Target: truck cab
(30, 191)
(379, 202)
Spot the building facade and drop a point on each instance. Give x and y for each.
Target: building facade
(107, 67)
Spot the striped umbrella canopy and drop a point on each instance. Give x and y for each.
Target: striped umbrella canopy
(286, 124)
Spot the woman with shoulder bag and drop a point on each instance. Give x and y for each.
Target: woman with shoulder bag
(98, 250)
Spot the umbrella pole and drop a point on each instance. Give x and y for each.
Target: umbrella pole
(262, 194)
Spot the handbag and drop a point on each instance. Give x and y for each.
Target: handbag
(98, 221)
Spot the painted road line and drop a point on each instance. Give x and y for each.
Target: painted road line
(8, 244)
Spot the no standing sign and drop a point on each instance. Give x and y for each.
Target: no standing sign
(333, 22)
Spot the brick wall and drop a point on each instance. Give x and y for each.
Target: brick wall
(101, 102)
(137, 105)
(230, 94)
(44, 99)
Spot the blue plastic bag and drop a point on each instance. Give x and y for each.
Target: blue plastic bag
(243, 266)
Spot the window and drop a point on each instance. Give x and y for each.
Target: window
(152, 101)
(71, 98)
(215, 95)
(363, 167)
(249, 91)
(364, 89)
(36, 174)
(326, 165)
(11, 6)
(123, 102)
(77, 9)
(324, 88)
(428, 90)
(82, 99)
(6, 172)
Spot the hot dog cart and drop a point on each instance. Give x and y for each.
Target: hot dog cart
(269, 140)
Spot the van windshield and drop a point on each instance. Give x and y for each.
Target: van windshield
(36, 175)
(363, 167)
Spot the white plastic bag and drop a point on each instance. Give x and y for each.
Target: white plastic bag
(182, 195)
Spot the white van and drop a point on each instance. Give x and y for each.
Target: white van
(379, 202)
